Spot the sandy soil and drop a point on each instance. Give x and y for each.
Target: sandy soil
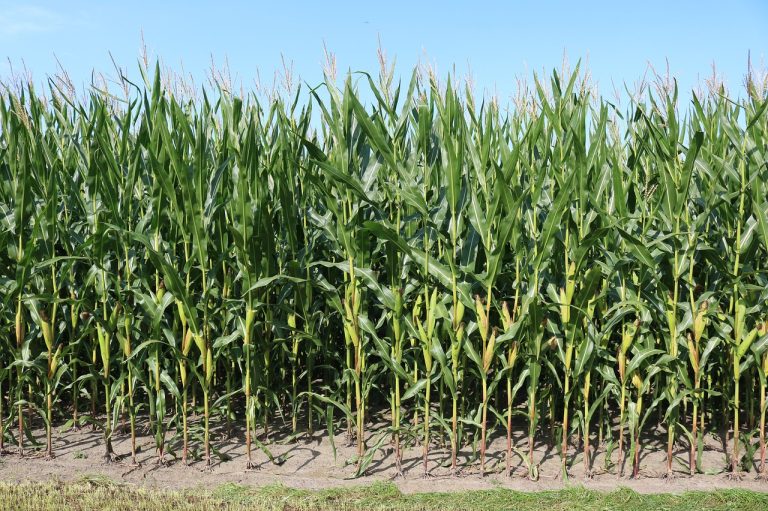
(309, 463)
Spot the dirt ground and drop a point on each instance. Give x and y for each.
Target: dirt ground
(309, 464)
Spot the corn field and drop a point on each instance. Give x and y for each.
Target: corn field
(426, 270)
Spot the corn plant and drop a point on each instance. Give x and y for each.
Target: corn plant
(407, 253)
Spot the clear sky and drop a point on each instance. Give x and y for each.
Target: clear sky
(496, 40)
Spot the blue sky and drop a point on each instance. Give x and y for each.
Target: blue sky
(496, 40)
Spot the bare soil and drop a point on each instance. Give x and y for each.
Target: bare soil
(309, 463)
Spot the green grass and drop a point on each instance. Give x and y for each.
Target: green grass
(92, 494)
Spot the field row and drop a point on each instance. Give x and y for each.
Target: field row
(564, 264)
